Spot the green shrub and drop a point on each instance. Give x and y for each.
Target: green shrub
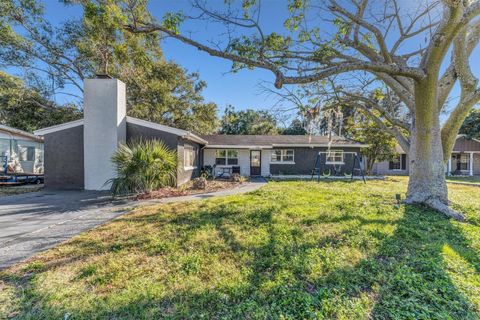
(143, 166)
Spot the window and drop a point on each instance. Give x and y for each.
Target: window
(284, 155)
(398, 163)
(190, 155)
(26, 153)
(226, 157)
(462, 161)
(334, 157)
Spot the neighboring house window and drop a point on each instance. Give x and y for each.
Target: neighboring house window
(26, 153)
(190, 153)
(462, 161)
(284, 155)
(226, 157)
(399, 163)
(335, 157)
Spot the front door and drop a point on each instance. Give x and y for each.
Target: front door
(255, 162)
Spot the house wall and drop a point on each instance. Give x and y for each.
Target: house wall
(243, 159)
(382, 168)
(305, 159)
(173, 142)
(266, 153)
(186, 174)
(35, 166)
(64, 159)
(136, 132)
(10, 147)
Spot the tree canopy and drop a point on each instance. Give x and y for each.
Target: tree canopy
(26, 109)
(58, 59)
(471, 125)
(380, 40)
(247, 121)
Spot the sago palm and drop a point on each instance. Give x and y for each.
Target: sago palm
(143, 166)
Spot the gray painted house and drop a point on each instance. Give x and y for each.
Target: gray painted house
(263, 155)
(464, 160)
(78, 153)
(64, 150)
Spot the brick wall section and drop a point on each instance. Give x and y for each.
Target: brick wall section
(64, 159)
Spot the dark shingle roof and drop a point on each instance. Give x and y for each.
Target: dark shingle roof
(264, 140)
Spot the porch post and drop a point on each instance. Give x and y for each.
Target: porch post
(471, 164)
(449, 166)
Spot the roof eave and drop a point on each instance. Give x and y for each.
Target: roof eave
(193, 137)
(58, 127)
(19, 132)
(233, 146)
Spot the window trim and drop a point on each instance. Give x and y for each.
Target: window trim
(187, 148)
(402, 166)
(26, 148)
(335, 162)
(460, 162)
(227, 157)
(283, 153)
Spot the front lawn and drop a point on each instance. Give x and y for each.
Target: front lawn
(289, 250)
(470, 180)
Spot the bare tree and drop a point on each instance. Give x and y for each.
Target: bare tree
(305, 55)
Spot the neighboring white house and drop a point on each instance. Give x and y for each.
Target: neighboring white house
(22, 151)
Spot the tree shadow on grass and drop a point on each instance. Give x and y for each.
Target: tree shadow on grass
(409, 276)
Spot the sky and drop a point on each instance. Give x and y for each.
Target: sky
(239, 89)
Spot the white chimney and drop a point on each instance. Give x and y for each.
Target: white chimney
(104, 128)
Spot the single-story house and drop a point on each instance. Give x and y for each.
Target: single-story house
(465, 160)
(78, 153)
(266, 155)
(20, 151)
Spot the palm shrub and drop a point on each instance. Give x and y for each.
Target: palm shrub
(143, 166)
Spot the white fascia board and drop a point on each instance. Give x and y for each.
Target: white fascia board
(13, 131)
(195, 138)
(160, 127)
(321, 145)
(230, 146)
(58, 127)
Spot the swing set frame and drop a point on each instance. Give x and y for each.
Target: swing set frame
(317, 170)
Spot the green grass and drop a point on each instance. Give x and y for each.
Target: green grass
(471, 180)
(341, 250)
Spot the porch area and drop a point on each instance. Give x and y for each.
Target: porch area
(244, 161)
(464, 164)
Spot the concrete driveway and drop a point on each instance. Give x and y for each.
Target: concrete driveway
(33, 222)
(36, 221)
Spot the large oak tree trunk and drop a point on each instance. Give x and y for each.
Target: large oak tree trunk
(427, 184)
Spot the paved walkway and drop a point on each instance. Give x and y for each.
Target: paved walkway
(34, 222)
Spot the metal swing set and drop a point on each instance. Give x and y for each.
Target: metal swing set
(319, 168)
(313, 121)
